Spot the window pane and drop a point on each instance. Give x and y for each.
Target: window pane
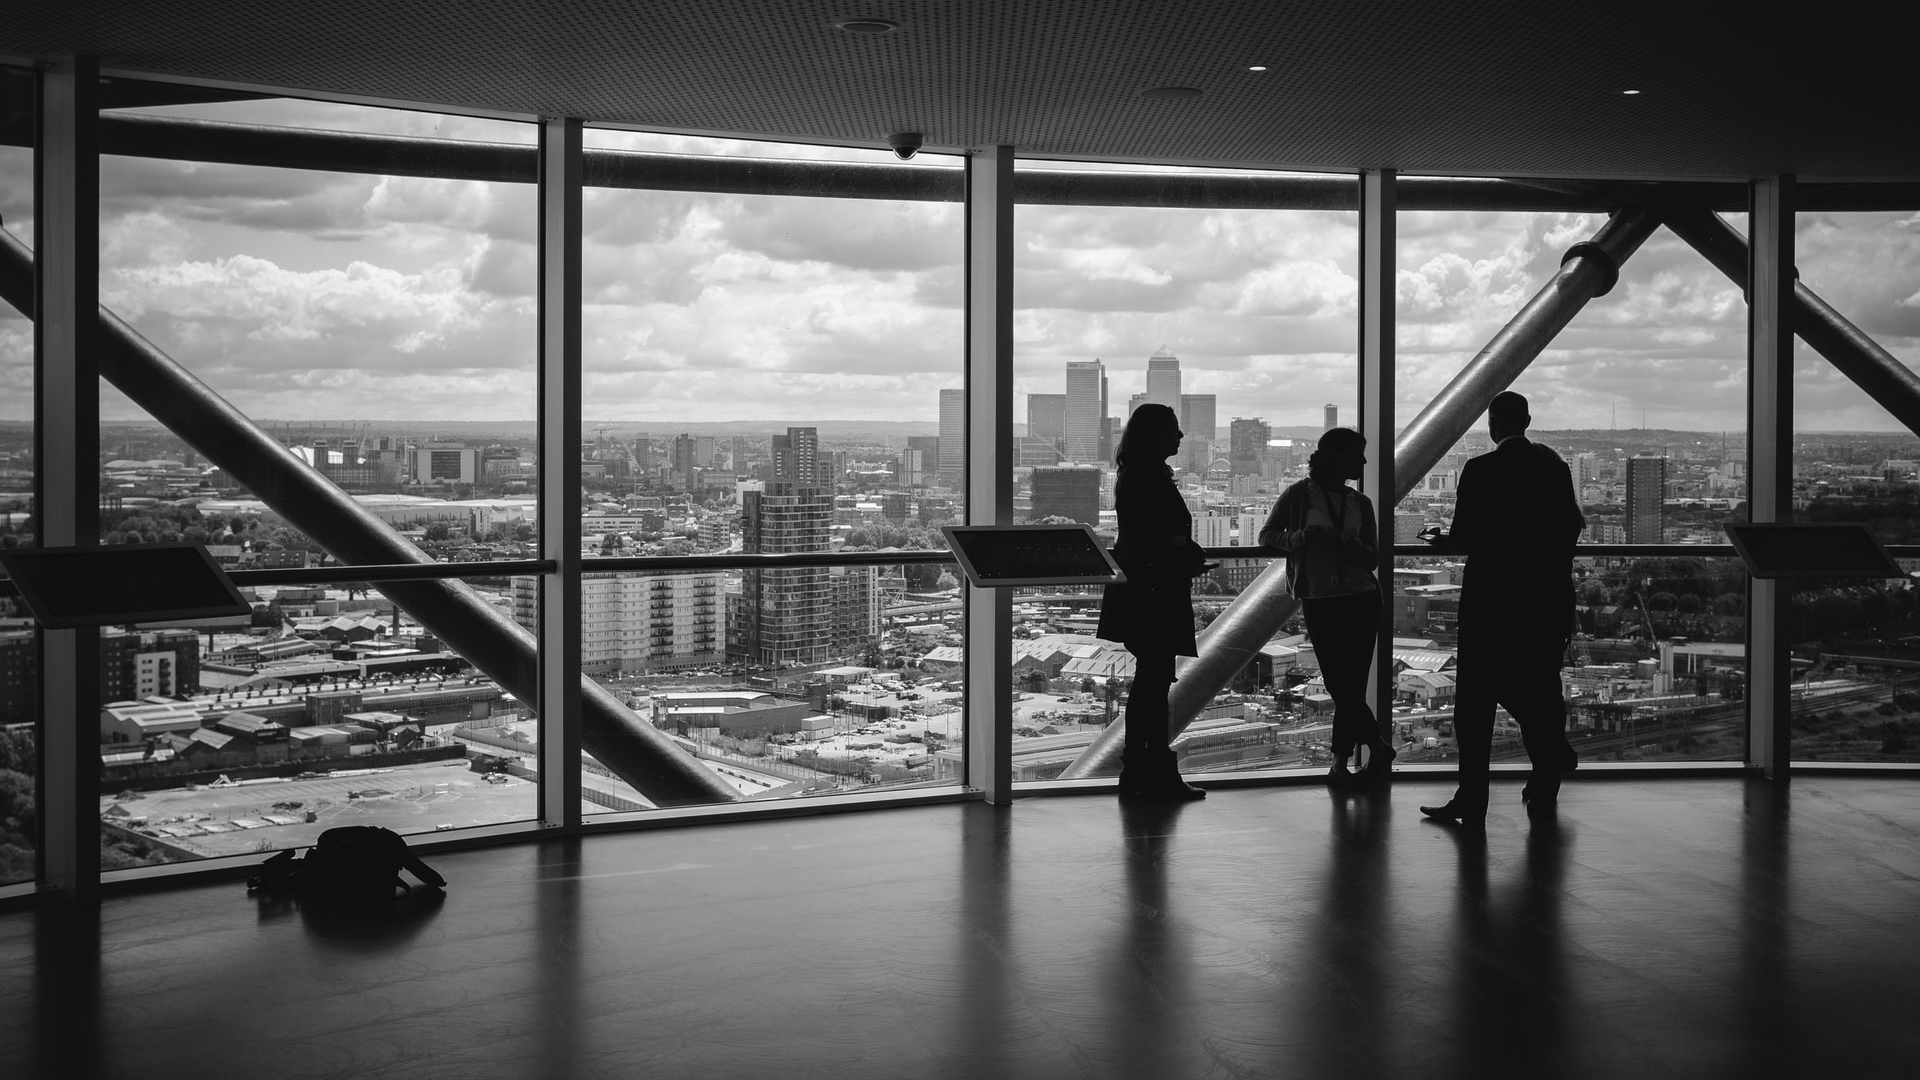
(1241, 321)
(1856, 643)
(380, 327)
(1643, 394)
(333, 708)
(19, 653)
(867, 701)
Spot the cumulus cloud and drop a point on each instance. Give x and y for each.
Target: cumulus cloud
(310, 293)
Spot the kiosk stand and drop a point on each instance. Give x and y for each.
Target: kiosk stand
(1012, 556)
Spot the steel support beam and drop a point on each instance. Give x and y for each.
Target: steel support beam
(61, 298)
(172, 138)
(1771, 317)
(1588, 269)
(989, 473)
(638, 753)
(1377, 264)
(1890, 383)
(560, 300)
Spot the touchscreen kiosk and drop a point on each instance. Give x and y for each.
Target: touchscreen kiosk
(1005, 556)
(1789, 550)
(102, 586)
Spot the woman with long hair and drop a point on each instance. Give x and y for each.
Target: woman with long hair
(1152, 613)
(1328, 534)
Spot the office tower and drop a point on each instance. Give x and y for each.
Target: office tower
(1086, 411)
(1646, 499)
(1134, 402)
(1247, 445)
(685, 462)
(796, 457)
(1197, 420)
(1197, 415)
(1163, 379)
(1046, 416)
(953, 438)
(1330, 417)
(1068, 491)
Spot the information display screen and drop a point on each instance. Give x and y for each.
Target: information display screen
(102, 586)
(1812, 551)
(1005, 556)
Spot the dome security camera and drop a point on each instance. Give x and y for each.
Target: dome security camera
(905, 144)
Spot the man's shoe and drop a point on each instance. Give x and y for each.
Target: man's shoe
(1455, 813)
(1175, 790)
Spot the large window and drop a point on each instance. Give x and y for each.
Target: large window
(1855, 644)
(19, 649)
(772, 374)
(1643, 393)
(1244, 322)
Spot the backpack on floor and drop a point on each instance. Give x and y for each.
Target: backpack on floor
(350, 865)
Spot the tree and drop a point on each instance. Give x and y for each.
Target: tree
(438, 532)
(1662, 601)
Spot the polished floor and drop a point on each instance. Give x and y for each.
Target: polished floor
(1655, 928)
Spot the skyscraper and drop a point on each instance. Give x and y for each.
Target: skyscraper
(1196, 421)
(1086, 410)
(1163, 379)
(1330, 418)
(796, 457)
(953, 438)
(1247, 445)
(1046, 416)
(783, 610)
(1646, 499)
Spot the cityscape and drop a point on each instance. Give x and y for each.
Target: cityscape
(331, 705)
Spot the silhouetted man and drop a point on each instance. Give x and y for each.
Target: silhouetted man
(1516, 519)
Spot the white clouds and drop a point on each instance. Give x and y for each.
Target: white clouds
(307, 293)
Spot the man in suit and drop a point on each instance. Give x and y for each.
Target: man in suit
(1516, 519)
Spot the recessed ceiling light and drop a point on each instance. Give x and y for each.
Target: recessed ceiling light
(1170, 93)
(1629, 91)
(866, 26)
(1257, 67)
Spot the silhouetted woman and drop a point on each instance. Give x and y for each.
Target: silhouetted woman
(1327, 531)
(1152, 614)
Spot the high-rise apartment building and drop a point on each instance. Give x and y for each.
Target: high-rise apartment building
(1086, 411)
(796, 457)
(1646, 499)
(953, 438)
(635, 623)
(1197, 415)
(784, 611)
(1163, 379)
(1213, 530)
(1069, 491)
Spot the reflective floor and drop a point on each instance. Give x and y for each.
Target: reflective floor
(1683, 928)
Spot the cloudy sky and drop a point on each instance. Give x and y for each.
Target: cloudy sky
(318, 295)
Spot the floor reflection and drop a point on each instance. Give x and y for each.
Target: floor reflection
(1509, 999)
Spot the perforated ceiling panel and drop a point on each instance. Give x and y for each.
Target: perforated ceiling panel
(1489, 87)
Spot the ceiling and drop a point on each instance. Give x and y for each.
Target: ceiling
(1478, 87)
